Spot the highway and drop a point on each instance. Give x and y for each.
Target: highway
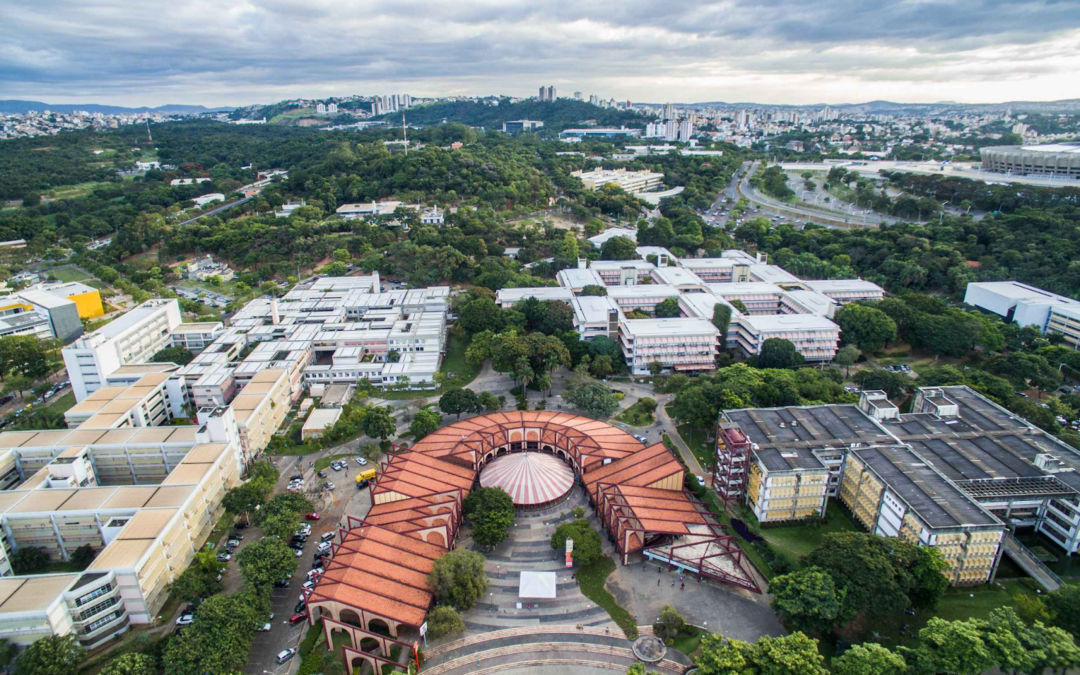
(217, 210)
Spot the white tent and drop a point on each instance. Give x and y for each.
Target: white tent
(537, 585)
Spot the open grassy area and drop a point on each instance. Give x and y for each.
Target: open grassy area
(459, 372)
(695, 439)
(63, 404)
(688, 642)
(73, 191)
(327, 461)
(69, 274)
(592, 580)
(794, 541)
(637, 415)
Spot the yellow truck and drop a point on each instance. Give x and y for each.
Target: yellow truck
(365, 476)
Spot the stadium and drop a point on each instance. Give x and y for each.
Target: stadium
(1058, 159)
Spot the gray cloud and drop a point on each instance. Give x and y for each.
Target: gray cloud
(238, 51)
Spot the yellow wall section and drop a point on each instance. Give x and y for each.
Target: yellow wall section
(88, 304)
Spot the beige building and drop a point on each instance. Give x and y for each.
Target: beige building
(628, 181)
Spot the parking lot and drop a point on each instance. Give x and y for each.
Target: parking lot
(346, 498)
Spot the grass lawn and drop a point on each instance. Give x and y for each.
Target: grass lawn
(794, 541)
(637, 415)
(326, 461)
(63, 404)
(294, 447)
(958, 603)
(592, 580)
(69, 274)
(73, 191)
(459, 372)
(689, 641)
(695, 440)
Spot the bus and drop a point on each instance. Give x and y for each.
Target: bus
(365, 475)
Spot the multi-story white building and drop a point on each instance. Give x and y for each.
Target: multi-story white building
(628, 181)
(764, 302)
(131, 339)
(1028, 306)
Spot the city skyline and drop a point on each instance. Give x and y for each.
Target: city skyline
(768, 53)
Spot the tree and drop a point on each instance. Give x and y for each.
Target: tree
(424, 422)
(490, 402)
(25, 355)
(480, 315)
(953, 647)
(8, 652)
(280, 525)
(668, 308)
(342, 255)
(130, 664)
(619, 248)
(265, 561)
(17, 384)
(869, 659)
(594, 290)
(895, 385)
(443, 622)
(335, 269)
(669, 625)
(52, 655)
(794, 654)
(29, 560)
(807, 599)
(846, 356)
(721, 318)
(83, 556)
(868, 328)
(199, 580)
(458, 579)
(601, 366)
(220, 638)
(718, 655)
(594, 399)
(587, 542)
(863, 566)
(378, 423)
(457, 401)
(246, 497)
(1064, 605)
(491, 512)
(181, 356)
(655, 368)
(779, 353)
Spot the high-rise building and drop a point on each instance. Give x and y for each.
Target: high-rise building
(594, 99)
(542, 94)
(551, 93)
(668, 112)
(686, 130)
(577, 95)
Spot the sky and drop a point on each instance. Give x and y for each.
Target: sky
(237, 52)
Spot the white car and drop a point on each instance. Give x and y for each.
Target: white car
(285, 655)
(299, 553)
(185, 620)
(361, 461)
(700, 480)
(317, 570)
(265, 628)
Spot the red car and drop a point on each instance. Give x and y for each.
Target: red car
(297, 618)
(311, 516)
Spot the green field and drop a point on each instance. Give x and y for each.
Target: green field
(458, 371)
(327, 461)
(797, 540)
(636, 415)
(64, 403)
(69, 274)
(73, 191)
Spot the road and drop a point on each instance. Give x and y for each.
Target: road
(964, 170)
(217, 210)
(783, 210)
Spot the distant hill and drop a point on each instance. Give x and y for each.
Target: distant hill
(17, 107)
(1071, 105)
(557, 114)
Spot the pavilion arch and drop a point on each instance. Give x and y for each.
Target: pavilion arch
(379, 626)
(369, 645)
(350, 617)
(436, 538)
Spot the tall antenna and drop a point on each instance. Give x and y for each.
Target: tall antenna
(149, 138)
(405, 133)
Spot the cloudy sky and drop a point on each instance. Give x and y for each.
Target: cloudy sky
(230, 52)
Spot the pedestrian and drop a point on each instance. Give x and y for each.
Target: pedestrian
(673, 583)
(682, 587)
(657, 582)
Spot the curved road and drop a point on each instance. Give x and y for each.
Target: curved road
(219, 209)
(827, 218)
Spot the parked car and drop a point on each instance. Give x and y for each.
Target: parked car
(317, 570)
(311, 516)
(240, 526)
(328, 485)
(237, 536)
(328, 536)
(223, 557)
(185, 620)
(281, 583)
(300, 606)
(361, 461)
(323, 547)
(299, 553)
(322, 474)
(298, 476)
(309, 584)
(233, 543)
(265, 628)
(336, 466)
(286, 654)
(700, 480)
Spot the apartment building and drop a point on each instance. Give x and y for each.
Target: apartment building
(680, 345)
(143, 494)
(955, 473)
(131, 339)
